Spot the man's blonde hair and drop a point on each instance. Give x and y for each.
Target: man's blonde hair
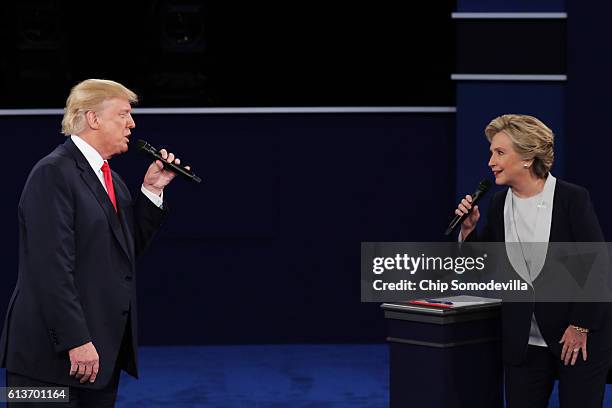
(532, 139)
(89, 96)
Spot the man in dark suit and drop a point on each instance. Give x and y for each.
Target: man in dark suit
(72, 318)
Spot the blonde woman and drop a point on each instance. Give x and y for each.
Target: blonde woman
(542, 341)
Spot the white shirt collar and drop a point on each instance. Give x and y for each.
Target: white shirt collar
(93, 157)
(541, 233)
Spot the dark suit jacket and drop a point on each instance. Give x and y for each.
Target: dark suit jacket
(76, 280)
(573, 220)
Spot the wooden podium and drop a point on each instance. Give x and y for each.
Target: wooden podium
(445, 357)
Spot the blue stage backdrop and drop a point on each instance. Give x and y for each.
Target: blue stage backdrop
(266, 249)
(588, 102)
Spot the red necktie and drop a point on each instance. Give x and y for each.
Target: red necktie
(108, 180)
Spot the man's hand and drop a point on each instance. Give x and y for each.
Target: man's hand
(156, 177)
(84, 363)
(573, 342)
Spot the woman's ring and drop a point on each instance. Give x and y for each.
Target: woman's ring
(576, 350)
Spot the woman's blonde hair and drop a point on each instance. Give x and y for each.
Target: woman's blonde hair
(89, 96)
(532, 139)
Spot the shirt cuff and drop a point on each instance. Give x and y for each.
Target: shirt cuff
(158, 200)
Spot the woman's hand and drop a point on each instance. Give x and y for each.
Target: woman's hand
(469, 224)
(573, 341)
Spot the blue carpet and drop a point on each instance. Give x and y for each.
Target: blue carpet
(270, 376)
(275, 376)
(260, 376)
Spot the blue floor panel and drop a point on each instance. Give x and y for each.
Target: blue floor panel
(266, 376)
(259, 376)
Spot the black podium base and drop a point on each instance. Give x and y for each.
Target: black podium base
(445, 359)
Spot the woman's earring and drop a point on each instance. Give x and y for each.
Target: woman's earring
(526, 165)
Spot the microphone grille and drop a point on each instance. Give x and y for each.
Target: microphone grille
(141, 144)
(484, 185)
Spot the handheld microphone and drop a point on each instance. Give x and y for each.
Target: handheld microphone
(149, 150)
(482, 188)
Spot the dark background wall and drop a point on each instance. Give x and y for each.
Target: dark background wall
(588, 103)
(220, 53)
(266, 249)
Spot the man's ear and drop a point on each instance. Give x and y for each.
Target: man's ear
(92, 119)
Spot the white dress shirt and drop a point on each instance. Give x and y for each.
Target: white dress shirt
(528, 220)
(96, 161)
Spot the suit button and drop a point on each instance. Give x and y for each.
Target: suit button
(125, 312)
(128, 278)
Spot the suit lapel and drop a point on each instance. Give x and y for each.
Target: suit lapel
(125, 229)
(123, 203)
(92, 181)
